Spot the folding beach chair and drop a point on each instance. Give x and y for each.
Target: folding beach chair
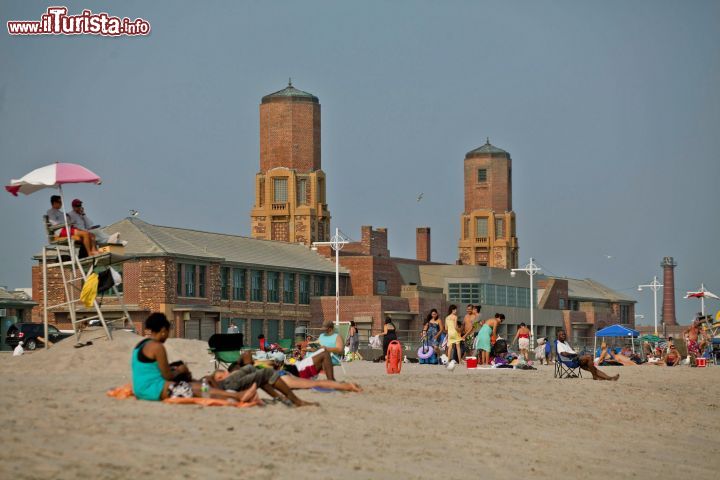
(225, 347)
(565, 367)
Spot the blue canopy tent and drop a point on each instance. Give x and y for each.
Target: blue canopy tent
(616, 331)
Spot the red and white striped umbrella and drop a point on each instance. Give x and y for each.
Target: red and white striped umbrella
(52, 176)
(701, 294)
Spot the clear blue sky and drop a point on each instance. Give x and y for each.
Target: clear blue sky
(610, 110)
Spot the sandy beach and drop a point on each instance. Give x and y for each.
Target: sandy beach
(424, 423)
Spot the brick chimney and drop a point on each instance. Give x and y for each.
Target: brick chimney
(422, 244)
(668, 305)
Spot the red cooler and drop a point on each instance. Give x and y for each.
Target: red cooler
(699, 362)
(471, 362)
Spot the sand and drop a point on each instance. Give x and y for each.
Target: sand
(424, 423)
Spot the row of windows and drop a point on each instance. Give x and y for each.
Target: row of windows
(272, 285)
(280, 191)
(481, 227)
(489, 294)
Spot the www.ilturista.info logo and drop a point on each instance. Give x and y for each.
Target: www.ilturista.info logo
(57, 22)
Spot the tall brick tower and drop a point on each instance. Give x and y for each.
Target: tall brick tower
(488, 222)
(290, 187)
(668, 307)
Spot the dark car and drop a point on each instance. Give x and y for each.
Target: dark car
(29, 333)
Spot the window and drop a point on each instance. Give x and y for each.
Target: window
(302, 191)
(561, 303)
(289, 287)
(273, 287)
(189, 280)
(202, 269)
(382, 287)
(512, 296)
(321, 190)
(224, 283)
(280, 194)
(304, 290)
(624, 314)
(319, 286)
(501, 295)
(466, 231)
(481, 227)
(256, 328)
(331, 285)
(490, 294)
(238, 284)
(179, 290)
(288, 329)
(273, 331)
(499, 228)
(464, 292)
(261, 192)
(482, 175)
(256, 290)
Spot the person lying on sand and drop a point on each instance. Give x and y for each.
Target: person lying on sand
(585, 362)
(267, 379)
(152, 377)
(302, 375)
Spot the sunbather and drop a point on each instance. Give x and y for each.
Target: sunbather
(152, 377)
(267, 379)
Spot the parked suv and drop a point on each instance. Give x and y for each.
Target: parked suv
(28, 333)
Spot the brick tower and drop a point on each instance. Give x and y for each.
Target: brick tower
(488, 222)
(290, 187)
(668, 305)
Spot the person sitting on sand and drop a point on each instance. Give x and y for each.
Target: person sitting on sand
(672, 357)
(152, 377)
(567, 354)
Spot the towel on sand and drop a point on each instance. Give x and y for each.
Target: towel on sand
(125, 391)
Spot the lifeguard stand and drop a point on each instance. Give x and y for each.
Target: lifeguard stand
(63, 252)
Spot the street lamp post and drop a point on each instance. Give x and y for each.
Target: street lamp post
(531, 269)
(654, 286)
(337, 242)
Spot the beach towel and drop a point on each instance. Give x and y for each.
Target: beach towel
(125, 391)
(89, 290)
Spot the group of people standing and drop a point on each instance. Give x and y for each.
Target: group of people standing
(458, 338)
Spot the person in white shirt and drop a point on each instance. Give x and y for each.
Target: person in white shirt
(232, 328)
(81, 221)
(56, 218)
(567, 354)
(19, 349)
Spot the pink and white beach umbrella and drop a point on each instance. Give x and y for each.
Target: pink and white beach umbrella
(52, 176)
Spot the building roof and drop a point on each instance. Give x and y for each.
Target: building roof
(14, 298)
(290, 92)
(588, 289)
(487, 149)
(147, 240)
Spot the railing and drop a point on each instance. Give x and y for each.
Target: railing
(279, 207)
(481, 240)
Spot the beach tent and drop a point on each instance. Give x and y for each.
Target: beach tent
(616, 331)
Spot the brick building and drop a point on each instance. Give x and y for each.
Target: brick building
(290, 203)
(488, 221)
(202, 280)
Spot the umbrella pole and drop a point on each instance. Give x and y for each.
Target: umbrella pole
(71, 248)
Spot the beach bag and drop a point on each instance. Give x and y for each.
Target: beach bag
(89, 290)
(393, 358)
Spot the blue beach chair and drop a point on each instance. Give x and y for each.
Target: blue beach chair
(566, 367)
